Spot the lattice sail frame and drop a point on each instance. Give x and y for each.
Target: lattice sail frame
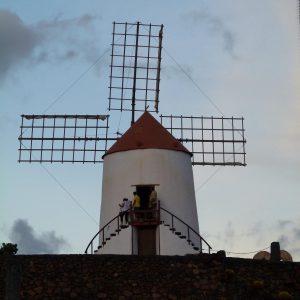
(135, 67)
(212, 140)
(64, 138)
(80, 138)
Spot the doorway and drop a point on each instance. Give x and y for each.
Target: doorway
(144, 192)
(146, 240)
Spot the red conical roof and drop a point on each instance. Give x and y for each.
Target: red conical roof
(147, 133)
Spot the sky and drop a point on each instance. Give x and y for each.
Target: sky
(240, 58)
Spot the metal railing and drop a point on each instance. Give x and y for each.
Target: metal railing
(113, 228)
(145, 216)
(192, 236)
(104, 236)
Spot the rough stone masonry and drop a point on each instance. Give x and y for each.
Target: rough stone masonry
(205, 276)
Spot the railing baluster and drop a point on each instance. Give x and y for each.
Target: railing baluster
(118, 225)
(190, 230)
(200, 245)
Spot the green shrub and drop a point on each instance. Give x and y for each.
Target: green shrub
(8, 248)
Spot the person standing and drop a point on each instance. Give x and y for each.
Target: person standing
(136, 201)
(124, 210)
(152, 203)
(153, 199)
(136, 205)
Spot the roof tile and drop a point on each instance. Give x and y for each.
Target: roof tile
(147, 133)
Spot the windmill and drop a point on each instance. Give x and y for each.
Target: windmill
(150, 155)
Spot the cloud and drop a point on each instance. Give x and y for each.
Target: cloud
(260, 235)
(58, 23)
(284, 241)
(54, 41)
(229, 235)
(296, 232)
(29, 242)
(286, 232)
(17, 41)
(217, 27)
(283, 223)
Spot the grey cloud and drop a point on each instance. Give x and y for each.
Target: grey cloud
(44, 41)
(229, 231)
(59, 23)
(229, 236)
(284, 241)
(60, 32)
(31, 243)
(217, 27)
(254, 229)
(17, 41)
(70, 54)
(296, 232)
(229, 42)
(284, 223)
(288, 235)
(86, 20)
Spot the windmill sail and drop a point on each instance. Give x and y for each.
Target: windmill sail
(212, 140)
(134, 86)
(64, 138)
(135, 67)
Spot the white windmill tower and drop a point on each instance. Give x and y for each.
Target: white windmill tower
(149, 155)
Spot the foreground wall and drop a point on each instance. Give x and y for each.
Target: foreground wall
(141, 277)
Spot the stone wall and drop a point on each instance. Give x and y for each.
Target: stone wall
(145, 277)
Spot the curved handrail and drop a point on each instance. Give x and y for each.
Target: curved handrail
(201, 239)
(189, 229)
(98, 233)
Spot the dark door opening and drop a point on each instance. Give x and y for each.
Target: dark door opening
(144, 192)
(146, 240)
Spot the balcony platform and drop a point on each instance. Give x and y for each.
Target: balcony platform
(145, 217)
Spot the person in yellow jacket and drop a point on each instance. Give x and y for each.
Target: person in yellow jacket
(136, 206)
(136, 201)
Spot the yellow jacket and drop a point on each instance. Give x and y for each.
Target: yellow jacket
(136, 201)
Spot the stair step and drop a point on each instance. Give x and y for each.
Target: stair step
(172, 229)
(112, 234)
(118, 230)
(99, 247)
(166, 224)
(103, 243)
(188, 241)
(177, 232)
(108, 238)
(196, 248)
(183, 237)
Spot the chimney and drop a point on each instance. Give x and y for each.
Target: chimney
(275, 251)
